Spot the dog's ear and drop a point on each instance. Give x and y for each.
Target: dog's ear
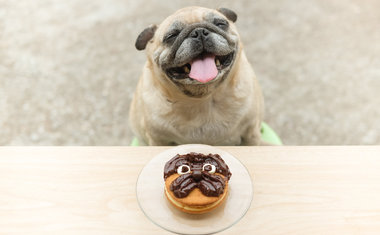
(230, 14)
(144, 37)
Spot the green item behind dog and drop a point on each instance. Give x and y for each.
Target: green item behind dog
(268, 135)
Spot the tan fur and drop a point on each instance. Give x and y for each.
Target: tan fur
(161, 114)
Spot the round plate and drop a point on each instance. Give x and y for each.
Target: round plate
(150, 195)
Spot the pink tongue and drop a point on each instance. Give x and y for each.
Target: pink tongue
(204, 69)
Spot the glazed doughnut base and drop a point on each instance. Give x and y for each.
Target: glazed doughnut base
(195, 202)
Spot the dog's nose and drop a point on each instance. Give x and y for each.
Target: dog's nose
(199, 33)
(197, 175)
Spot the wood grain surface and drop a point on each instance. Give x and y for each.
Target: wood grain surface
(91, 190)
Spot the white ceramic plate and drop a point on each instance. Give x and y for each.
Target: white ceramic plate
(150, 195)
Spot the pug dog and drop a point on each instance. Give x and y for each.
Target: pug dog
(197, 85)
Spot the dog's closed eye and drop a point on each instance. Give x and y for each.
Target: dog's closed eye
(221, 23)
(171, 36)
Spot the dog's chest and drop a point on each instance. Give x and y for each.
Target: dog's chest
(209, 123)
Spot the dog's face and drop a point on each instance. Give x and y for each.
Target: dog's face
(195, 48)
(209, 173)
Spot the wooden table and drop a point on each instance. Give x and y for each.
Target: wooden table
(91, 190)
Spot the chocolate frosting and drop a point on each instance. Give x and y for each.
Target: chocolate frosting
(210, 184)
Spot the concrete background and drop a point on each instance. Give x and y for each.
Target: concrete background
(68, 69)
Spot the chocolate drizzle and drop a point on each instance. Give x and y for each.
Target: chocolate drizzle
(211, 185)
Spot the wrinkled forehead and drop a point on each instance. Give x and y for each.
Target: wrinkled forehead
(189, 16)
(191, 160)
